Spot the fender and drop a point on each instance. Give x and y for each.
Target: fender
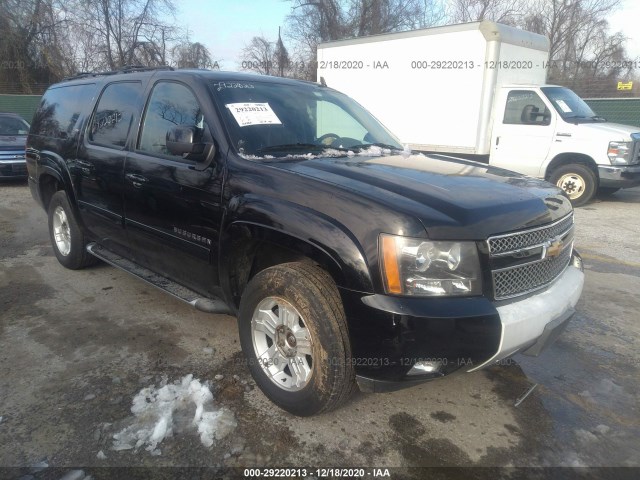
(250, 218)
(52, 164)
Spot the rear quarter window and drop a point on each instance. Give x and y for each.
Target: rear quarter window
(61, 109)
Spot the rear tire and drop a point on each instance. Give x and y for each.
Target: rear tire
(293, 332)
(577, 181)
(67, 238)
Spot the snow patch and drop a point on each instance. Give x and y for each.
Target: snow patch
(182, 406)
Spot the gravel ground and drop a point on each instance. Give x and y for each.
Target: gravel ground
(76, 348)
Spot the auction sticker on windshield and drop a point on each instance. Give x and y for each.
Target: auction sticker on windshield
(253, 114)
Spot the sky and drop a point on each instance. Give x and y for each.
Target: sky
(226, 26)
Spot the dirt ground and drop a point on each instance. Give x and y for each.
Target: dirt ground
(76, 347)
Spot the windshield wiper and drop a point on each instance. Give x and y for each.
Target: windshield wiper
(290, 146)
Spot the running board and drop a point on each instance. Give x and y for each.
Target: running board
(185, 294)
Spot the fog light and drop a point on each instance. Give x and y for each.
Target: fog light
(425, 367)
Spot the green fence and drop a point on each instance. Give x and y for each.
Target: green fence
(617, 110)
(24, 105)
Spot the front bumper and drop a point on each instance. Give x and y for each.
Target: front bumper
(619, 176)
(391, 335)
(13, 168)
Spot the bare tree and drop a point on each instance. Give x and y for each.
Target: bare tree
(192, 55)
(259, 56)
(30, 46)
(126, 32)
(503, 11)
(315, 21)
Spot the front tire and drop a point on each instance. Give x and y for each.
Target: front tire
(67, 238)
(577, 181)
(293, 332)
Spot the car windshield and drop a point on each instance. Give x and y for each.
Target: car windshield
(268, 119)
(13, 126)
(569, 105)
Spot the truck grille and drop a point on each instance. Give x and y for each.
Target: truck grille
(525, 264)
(528, 238)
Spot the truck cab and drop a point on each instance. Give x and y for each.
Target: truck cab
(550, 132)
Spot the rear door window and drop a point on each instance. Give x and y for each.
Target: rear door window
(114, 114)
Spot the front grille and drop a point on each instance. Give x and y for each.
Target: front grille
(522, 262)
(514, 281)
(529, 238)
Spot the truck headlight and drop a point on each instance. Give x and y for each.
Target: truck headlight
(411, 266)
(619, 152)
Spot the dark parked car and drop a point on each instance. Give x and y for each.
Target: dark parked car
(346, 259)
(13, 137)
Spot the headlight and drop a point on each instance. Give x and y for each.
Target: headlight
(619, 152)
(411, 266)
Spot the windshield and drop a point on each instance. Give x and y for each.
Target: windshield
(277, 119)
(569, 105)
(13, 126)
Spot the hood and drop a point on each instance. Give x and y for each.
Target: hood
(453, 198)
(612, 132)
(13, 142)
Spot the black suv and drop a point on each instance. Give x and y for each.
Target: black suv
(13, 136)
(347, 259)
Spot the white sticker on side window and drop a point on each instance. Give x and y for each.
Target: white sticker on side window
(253, 114)
(563, 106)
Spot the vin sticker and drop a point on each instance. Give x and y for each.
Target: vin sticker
(253, 114)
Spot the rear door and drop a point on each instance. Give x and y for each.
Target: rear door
(522, 132)
(172, 204)
(99, 167)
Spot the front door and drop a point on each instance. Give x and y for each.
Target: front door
(522, 135)
(172, 205)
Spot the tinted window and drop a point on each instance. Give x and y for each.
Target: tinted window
(60, 110)
(112, 119)
(525, 107)
(170, 104)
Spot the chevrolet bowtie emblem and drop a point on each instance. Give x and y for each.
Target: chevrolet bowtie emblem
(554, 248)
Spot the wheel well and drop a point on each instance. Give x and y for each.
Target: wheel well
(49, 185)
(252, 256)
(569, 158)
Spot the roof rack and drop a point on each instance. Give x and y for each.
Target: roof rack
(124, 69)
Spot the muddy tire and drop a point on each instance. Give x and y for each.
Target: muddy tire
(577, 181)
(67, 238)
(294, 336)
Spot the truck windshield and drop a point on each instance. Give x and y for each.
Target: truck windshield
(570, 106)
(13, 126)
(279, 119)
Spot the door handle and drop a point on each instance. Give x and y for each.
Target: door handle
(497, 141)
(137, 180)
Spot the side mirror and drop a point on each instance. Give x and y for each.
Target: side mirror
(181, 140)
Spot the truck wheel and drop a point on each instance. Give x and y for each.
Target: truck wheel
(294, 335)
(577, 181)
(67, 237)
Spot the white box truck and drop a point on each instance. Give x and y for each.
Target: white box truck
(478, 90)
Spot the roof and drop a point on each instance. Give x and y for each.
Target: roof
(213, 75)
